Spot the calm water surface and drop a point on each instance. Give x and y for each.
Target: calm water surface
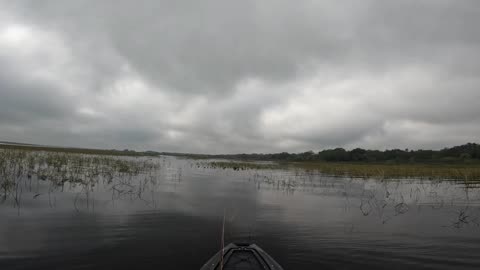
(305, 220)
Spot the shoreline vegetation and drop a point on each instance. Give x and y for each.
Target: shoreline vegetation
(461, 163)
(74, 150)
(467, 153)
(466, 173)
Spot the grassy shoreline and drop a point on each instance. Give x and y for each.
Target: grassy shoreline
(91, 151)
(460, 171)
(454, 171)
(468, 172)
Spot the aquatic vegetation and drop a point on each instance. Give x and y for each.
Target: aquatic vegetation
(89, 182)
(90, 151)
(237, 166)
(467, 173)
(23, 170)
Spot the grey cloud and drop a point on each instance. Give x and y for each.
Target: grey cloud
(25, 100)
(204, 46)
(408, 61)
(213, 45)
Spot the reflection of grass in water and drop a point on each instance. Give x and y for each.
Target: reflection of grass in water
(385, 200)
(469, 173)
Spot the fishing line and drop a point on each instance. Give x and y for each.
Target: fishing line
(223, 238)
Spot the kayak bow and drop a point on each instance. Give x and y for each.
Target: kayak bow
(242, 257)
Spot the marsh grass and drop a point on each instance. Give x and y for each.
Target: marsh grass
(467, 173)
(238, 166)
(22, 170)
(72, 150)
(462, 172)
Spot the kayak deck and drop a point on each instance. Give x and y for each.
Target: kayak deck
(238, 256)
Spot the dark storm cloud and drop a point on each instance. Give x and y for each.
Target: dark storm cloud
(242, 76)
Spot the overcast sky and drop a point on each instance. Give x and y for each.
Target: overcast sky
(240, 76)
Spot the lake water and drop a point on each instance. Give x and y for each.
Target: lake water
(305, 220)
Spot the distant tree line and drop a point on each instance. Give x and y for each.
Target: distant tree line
(470, 151)
(91, 151)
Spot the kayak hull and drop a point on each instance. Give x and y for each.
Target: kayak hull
(242, 257)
